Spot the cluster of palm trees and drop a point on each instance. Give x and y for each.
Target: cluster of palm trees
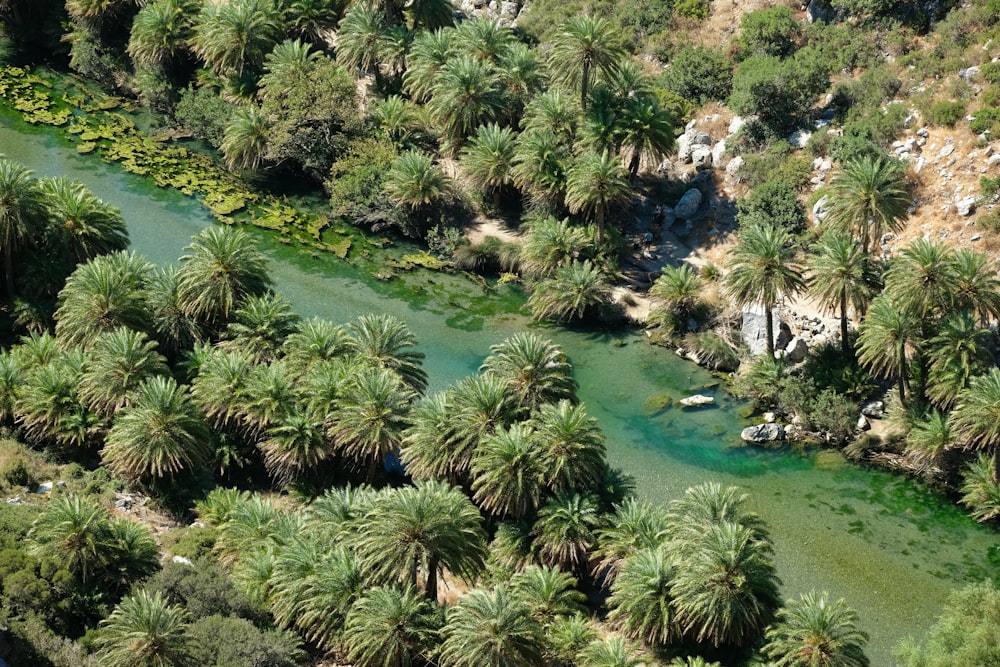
(47, 226)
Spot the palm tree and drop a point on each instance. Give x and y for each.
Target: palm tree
(922, 280)
(550, 244)
(485, 39)
(488, 159)
(491, 628)
(595, 184)
(414, 181)
(465, 95)
(285, 67)
(928, 440)
(135, 555)
(521, 78)
(315, 341)
(174, 330)
(540, 163)
(570, 446)
(610, 652)
(119, 362)
(568, 637)
(586, 46)
(389, 627)
(763, 271)
(553, 111)
(73, 531)
(143, 630)
(976, 284)
(369, 422)
(422, 530)
(888, 337)
(958, 351)
(645, 130)
(311, 19)
(221, 269)
(49, 407)
(564, 532)
(679, 289)
(641, 602)
(480, 405)
(634, 526)
(244, 143)
(360, 36)
(976, 417)
(536, 370)
(21, 214)
(221, 387)
(293, 445)
(396, 118)
(507, 473)
(426, 450)
(981, 488)
(812, 632)
(159, 435)
(271, 395)
(867, 198)
(431, 50)
(386, 342)
(548, 592)
(837, 279)
(159, 34)
(233, 37)
(427, 15)
(260, 326)
(706, 505)
(728, 592)
(571, 293)
(102, 295)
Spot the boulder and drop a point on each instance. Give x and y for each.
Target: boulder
(796, 350)
(696, 401)
(754, 331)
(873, 409)
(719, 153)
(762, 433)
(688, 205)
(819, 210)
(770, 417)
(182, 561)
(799, 138)
(946, 150)
(966, 206)
(820, 10)
(688, 141)
(733, 166)
(701, 157)
(736, 124)
(968, 74)
(863, 424)
(782, 335)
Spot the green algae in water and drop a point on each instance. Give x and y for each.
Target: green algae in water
(655, 405)
(830, 460)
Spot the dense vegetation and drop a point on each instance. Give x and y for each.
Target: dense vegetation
(341, 511)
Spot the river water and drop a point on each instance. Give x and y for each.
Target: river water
(892, 549)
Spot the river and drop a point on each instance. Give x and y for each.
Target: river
(891, 548)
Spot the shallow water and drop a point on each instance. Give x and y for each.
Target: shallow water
(888, 546)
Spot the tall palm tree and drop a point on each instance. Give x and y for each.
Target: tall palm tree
(414, 181)
(485, 39)
(594, 185)
(576, 289)
(728, 592)
(555, 112)
(564, 532)
(888, 338)
(706, 505)
(837, 278)
(867, 198)
(641, 602)
(271, 396)
(315, 341)
(159, 435)
(635, 525)
(586, 46)
(550, 244)
(646, 131)
(480, 405)
(488, 159)
(427, 447)
(386, 342)
(160, 32)
(173, 329)
(679, 290)
(260, 326)
(491, 628)
(233, 37)
(221, 269)
(21, 214)
(143, 630)
(426, 15)
(135, 555)
(49, 407)
(360, 34)
(928, 440)
(976, 417)
(981, 488)
(977, 285)
(389, 627)
(396, 118)
(73, 531)
(548, 592)
(507, 473)
(465, 95)
(570, 446)
(958, 350)
(311, 19)
(119, 362)
(287, 66)
(568, 637)
(610, 652)
(369, 422)
(540, 162)
(244, 143)
(102, 295)
(812, 632)
(922, 280)
(763, 271)
(536, 370)
(293, 445)
(430, 52)
(422, 530)
(521, 78)
(222, 386)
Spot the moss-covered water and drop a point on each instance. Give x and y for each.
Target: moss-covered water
(892, 549)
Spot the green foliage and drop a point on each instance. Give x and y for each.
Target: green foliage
(946, 112)
(699, 73)
(985, 120)
(225, 641)
(776, 90)
(204, 113)
(847, 48)
(772, 202)
(769, 32)
(356, 180)
(967, 634)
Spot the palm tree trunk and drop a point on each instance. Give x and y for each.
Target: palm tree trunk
(431, 589)
(769, 328)
(844, 346)
(8, 271)
(902, 376)
(584, 85)
(372, 471)
(633, 164)
(599, 218)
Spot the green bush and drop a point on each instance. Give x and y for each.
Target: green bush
(984, 120)
(990, 72)
(773, 202)
(778, 91)
(946, 112)
(204, 113)
(217, 641)
(700, 73)
(989, 187)
(204, 590)
(769, 32)
(777, 163)
(869, 91)
(845, 47)
(692, 9)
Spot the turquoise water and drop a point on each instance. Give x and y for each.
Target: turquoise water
(893, 550)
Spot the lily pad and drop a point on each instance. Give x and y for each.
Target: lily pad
(86, 147)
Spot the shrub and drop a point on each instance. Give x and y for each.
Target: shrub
(712, 350)
(773, 202)
(245, 645)
(844, 46)
(204, 590)
(984, 120)
(204, 113)
(990, 72)
(833, 415)
(700, 73)
(777, 91)
(769, 32)
(946, 112)
(692, 9)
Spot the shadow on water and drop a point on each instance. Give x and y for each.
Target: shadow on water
(893, 549)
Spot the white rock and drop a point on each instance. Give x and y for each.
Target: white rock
(923, 132)
(696, 401)
(182, 560)
(701, 157)
(796, 350)
(719, 153)
(873, 409)
(733, 166)
(966, 206)
(688, 205)
(736, 124)
(863, 424)
(763, 433)
(919, 164)
(819, 210)
(798, 138)
(946, 150)
(769, 417)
